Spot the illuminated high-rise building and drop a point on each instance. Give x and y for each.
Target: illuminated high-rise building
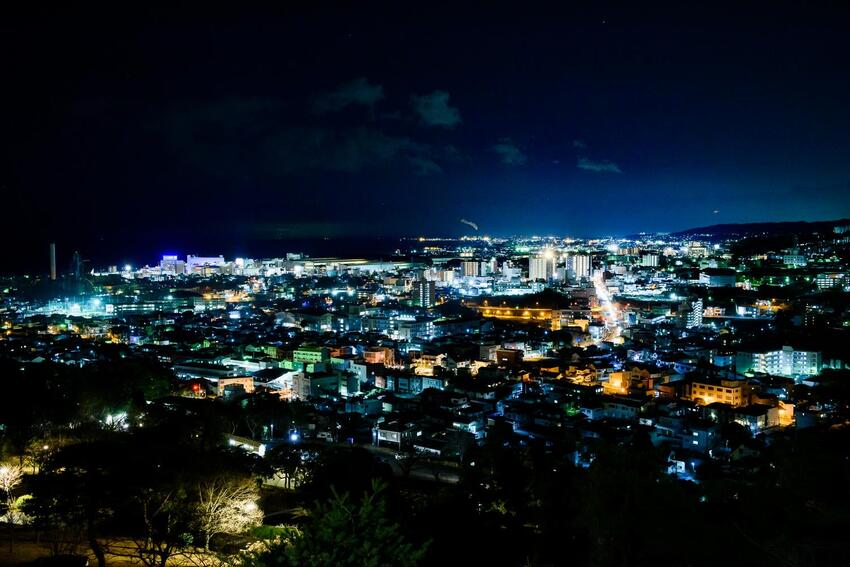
(649, 260)
(694, 317)
(470, 267)
(541, 268)
(580, 266)
(424, 293)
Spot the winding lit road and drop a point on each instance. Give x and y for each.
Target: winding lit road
(610, 312)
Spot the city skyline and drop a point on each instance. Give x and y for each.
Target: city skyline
(145, 254)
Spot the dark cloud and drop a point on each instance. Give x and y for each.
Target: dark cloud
(424, 166)
(260, 135)
(221, 137)
(391, 115)
(434, 110)
(600, 166)
(356, 92)
(452, 154)
(345, 150)
(509, 153)
(228, 116)
(578, 144)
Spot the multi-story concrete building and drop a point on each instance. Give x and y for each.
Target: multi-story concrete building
(424, 293)
(717, 277)
(694, 317)
(471, 268)
(649, 260)
(540, 268)
(734, 393)
(580, 266)
(830, 280)
(780, 362)
(311, 355)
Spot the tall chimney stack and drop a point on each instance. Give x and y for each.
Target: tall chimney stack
(53, 261)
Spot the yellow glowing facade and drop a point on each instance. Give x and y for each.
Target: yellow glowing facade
(549, 318)
(246, 382)
(735, 393)
(786, 413)
(618, 383)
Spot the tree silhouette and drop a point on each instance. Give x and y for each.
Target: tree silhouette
(226, 505)
(11, 476)
(344, 532)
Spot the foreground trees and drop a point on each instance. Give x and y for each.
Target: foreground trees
(343, 531)
(166, 522)
(226, 505)
(162, 495)
(48, 401)
(11, 476)
(73, 494)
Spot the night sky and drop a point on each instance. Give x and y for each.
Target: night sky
(128, 134)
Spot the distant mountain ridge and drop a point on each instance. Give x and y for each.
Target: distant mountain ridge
(753, 228)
